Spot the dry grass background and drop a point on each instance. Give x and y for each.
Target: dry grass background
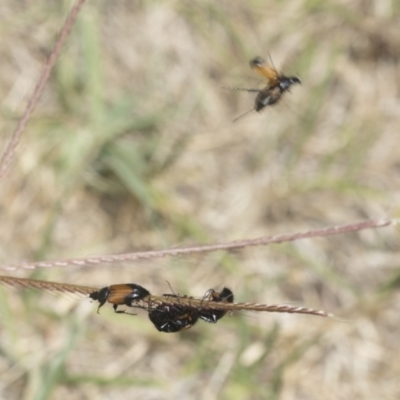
(132, 147)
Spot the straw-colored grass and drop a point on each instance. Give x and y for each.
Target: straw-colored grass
(132, 147)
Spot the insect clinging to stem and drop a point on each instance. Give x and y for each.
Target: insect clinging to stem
(122, 294)
(213, 315)
(168, 317)
(173, 317)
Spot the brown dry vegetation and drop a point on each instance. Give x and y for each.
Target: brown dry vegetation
(132, 147)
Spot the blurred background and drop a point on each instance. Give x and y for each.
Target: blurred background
(132, 147)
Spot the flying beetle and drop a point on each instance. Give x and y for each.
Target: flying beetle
(277, 85)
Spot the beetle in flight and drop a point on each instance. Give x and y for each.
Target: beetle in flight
(276, 86)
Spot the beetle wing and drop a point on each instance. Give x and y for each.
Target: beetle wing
(260, 66)
(118, 293)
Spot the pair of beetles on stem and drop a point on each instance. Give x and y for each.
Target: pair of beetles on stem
(166, 317)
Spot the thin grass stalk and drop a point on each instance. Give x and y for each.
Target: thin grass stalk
(190, 250)
(9, 151)
(152, 301)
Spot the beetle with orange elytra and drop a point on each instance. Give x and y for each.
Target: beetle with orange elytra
(123, 294)
(277, 85)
